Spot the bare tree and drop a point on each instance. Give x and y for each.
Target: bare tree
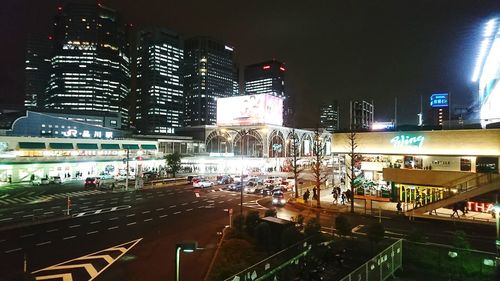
(294, 149)
(318, 168)
(352, 141)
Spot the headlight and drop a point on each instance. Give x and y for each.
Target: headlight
(283, 201)
(275, 200)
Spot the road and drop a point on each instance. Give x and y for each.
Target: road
(161, 217)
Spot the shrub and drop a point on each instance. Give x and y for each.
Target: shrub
(342, 225)
(238, 222)
(270, 213)
(312, 227)
(251, 221)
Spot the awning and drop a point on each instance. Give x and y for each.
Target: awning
(149, 146)
(110, 146)
(130, 146)
(87, 146)
(61, 145)
(32, 145)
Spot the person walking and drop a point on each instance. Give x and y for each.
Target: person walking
(455, 211)
(305, 196)
(343, 198)
(335, 196)
(398, 208)
(315, 195)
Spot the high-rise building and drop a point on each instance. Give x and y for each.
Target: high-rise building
(361, 115)
(160, 99)
(438, 110)
(208, 75)
(268, 78)
(329, 116)
(36, 70)
(90, 73)
(487, 72)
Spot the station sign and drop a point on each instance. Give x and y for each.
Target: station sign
(408, 141)
(439, 100)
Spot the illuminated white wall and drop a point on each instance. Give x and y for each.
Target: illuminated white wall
(250, 110)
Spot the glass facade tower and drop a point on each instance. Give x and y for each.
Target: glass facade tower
(160, 99)
(90, 67)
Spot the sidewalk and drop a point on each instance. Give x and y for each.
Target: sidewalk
(373, 207)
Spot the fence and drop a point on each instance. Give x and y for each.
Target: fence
(267, 268)
(380, 267)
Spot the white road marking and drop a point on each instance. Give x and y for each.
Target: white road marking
(37, 210)
(189, 210)
(162, 216)
(27, 235)
(197, 194)
(29, 215)
(73, 226)
(69, 237)
(221, 202)
(159, 209)
(94, 222)
(132, 223)
(146, 212)
(113, 227)
(13, 250)
(44, 243)
(195, 201)
(112, 219)
(6, 219)
(176, 213)
(92, 232)
(46, 213)
(148, 219)
(173, 206)
(52, 230)
(184, 204)
(130, 215)
(18, 212)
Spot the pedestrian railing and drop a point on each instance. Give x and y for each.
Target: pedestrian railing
(380, 267)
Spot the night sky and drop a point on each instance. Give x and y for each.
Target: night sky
(343, 50)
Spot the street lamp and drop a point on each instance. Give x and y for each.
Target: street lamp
(186, 247)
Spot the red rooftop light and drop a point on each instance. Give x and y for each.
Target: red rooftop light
(266, 67)
(282, 68)
(59, 8)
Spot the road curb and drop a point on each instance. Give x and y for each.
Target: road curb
(216, 254)
(33, 223)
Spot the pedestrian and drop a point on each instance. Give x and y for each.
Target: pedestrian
(455, 211)
(305, 196)
(335, 196)
(343, 198)
(348, 195)
(315, 195)
(417, 201)
(398, 207)
(10, 179)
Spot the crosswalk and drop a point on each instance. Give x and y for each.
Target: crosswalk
(45, 198)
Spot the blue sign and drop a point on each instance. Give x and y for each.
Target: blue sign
(439, 100)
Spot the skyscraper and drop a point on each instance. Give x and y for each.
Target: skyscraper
(36, 70)
(268, 78)
(361, 115)
(208, 75)
(90, 72)
(160, 99)
(329, 116)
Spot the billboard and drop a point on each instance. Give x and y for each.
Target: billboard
(439, 100)
(250, 110)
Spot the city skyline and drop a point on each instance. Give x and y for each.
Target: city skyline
(369, 51)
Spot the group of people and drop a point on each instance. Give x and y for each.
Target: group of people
(345, 197)
(307, 194)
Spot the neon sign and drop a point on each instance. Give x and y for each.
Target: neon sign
(480, 207)
(404, 140)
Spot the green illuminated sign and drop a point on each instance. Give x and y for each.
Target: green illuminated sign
(405, 140)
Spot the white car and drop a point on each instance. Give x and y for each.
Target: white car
(203, 184)
(40, 181)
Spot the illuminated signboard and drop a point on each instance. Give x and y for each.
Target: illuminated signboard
(72, 133)
(481, 207)
(408, 141)
(250, 110)
(439, 100)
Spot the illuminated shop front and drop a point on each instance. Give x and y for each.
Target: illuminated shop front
(398, 165)
(249, 138)
(21, 158)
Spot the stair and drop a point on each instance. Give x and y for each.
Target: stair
(461, 190)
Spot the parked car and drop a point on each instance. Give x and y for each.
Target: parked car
(278, 199)
(55, 179)
(203, 183)
(107, 182)
(267, 190)
(91, 182)
(224, 180)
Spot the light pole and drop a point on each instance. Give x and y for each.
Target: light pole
(186, 247)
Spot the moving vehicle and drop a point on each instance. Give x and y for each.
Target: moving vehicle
(91, 182)
(40, 181)
(55, 179)
(224, 180)
(235, 186)
(107, 181)
(190, 178)
(278, 198)
(203, 183)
